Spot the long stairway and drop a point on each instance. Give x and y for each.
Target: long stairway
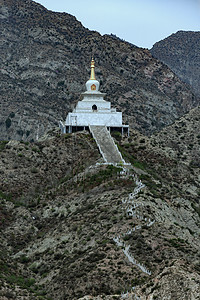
(106, 145)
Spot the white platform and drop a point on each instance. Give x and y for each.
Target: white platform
(92, 110)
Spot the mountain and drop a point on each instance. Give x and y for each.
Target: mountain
(74, 229)
(180, 52)
(45, 61)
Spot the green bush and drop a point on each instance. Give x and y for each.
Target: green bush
(102, 176)
(60, 83)
(21, 281)
(12, 115)
(139, 165)
(27, 133)
(24, 259)
(2, 145)
(5, 196)
(34, 149)
(34, 170)
(8, 122)
(117, 135)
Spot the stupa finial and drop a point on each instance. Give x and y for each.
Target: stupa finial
(92, 76)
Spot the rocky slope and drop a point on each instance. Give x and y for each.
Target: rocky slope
(180, 52)
(71, 228)
(45, 62)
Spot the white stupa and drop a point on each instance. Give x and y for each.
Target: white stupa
(93, 110)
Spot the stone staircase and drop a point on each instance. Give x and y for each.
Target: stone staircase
(106, 145)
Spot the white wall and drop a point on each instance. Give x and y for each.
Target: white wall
(87, 105)
(94, 118)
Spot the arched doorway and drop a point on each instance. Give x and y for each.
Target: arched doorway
(94, 107)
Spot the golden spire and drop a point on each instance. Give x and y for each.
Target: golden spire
(92, 76)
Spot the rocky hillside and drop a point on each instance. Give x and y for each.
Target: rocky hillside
(45, 62)
(181, 52)
(71, 227)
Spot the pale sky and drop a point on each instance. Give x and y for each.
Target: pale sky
(140, 22)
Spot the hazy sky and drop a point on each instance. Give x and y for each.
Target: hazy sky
(141, 22)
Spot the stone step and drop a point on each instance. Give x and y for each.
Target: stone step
(106, 144)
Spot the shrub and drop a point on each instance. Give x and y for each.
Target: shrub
(117, 135)
(34, 149)
(2, 145)
(34, 170)
(24, 259)
(21, 281)
(12, 115)
(139, 165)
(96, 256)
(60, 83)
(27, 133)
(20, 132)
(5, 196)
(8, 122)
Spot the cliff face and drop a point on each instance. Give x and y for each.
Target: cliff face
(45, 62)
(180, 52)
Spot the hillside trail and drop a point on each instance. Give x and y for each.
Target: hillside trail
(111, 155)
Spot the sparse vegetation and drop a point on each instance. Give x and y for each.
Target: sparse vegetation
(3, 145)
(60, 212)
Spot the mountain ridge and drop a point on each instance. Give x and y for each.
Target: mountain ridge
(72, 227)
(45, 61)
(180, 51)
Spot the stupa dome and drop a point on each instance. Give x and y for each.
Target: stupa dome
(92, 85)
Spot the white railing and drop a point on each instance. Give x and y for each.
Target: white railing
(62, 127)
(123, 161)
(130, 206)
